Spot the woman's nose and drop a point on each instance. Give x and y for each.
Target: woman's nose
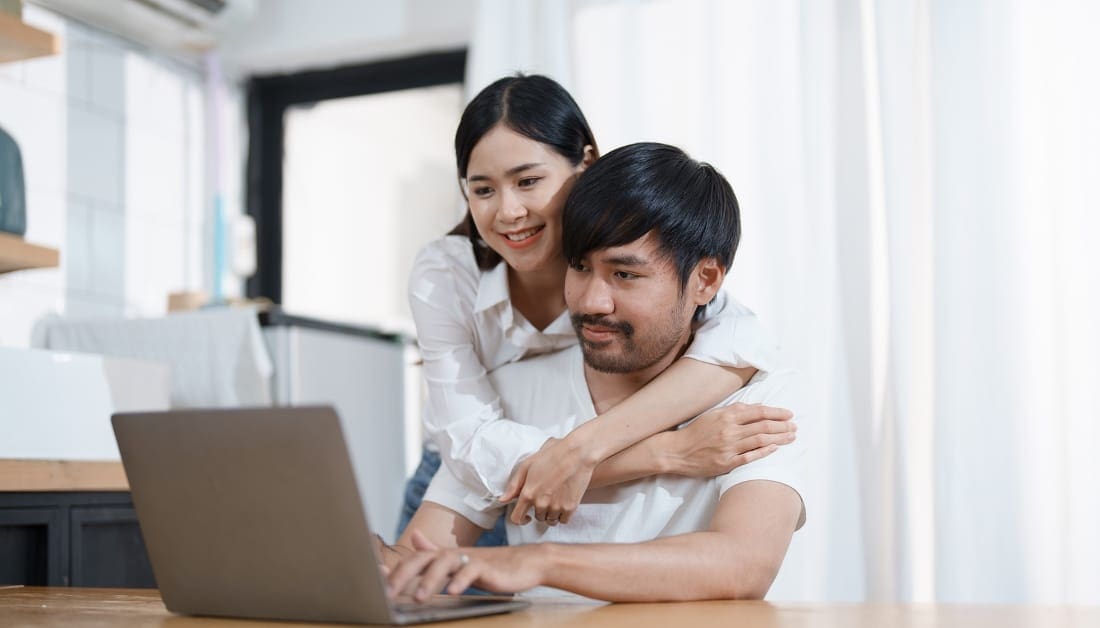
(511, 208)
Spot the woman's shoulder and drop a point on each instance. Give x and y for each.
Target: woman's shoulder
(451, 254)
(447, 262)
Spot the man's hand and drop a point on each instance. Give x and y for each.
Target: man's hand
(388, 555)
(552, 481)
(723, 439)
(500, 569)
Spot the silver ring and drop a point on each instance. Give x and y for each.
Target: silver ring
(463, 560)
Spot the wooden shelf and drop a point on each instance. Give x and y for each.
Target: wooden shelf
(17, 254)
(62, 475)
(20, 41)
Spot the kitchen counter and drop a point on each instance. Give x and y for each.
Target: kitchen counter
(62, 475)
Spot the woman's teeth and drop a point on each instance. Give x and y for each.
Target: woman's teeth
(522, 235)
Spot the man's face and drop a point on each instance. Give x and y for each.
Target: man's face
(627, 306)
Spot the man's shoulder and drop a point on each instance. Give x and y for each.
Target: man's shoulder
(766, 387)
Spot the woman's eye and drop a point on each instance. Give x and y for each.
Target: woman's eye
(482, 191)
(528, 181)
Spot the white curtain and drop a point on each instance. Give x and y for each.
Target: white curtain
(921, 229)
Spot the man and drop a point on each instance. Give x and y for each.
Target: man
(649, 235)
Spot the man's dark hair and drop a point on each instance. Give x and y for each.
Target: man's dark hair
(536, 107)
(646, 187)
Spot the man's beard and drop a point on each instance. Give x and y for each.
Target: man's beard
(633, 357)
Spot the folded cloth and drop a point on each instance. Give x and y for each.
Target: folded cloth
(218, 357)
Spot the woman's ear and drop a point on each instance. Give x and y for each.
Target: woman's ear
(589, 158)
(706, 281)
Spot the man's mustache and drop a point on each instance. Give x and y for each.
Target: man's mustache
(592, 320)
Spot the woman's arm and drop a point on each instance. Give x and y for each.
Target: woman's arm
(462, 412)
(554, 479)
(717, 442)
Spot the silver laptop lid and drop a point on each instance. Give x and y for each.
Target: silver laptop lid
(253, 513)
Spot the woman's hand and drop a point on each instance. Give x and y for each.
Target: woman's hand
(723, 439)
(552, 481)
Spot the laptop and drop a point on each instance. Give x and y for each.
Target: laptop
(256, 513)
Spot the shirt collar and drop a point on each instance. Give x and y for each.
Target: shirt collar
(492, 287)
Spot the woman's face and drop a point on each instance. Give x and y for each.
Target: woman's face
(516, 189)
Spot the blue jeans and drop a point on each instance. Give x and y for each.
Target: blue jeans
(414, 494)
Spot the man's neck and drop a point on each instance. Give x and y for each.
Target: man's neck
(609, 389)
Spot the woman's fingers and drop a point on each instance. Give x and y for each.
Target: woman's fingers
(515, 483)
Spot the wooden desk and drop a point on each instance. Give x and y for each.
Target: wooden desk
(137, 608)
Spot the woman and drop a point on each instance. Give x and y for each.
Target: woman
(491, 292)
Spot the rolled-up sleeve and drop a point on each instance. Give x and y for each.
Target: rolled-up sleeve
(462, 413)
(730, 334)
(446, 490)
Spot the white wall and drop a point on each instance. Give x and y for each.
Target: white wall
(112, 142)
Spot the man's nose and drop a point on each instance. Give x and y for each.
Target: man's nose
(596, 297)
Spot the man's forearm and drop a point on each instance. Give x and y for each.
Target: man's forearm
(697, 566)
(736, 558)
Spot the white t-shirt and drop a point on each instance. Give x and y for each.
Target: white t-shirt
(550, 392)
(467, 328)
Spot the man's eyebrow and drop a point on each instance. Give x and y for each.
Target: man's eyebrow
(511, 171)
(626, 260)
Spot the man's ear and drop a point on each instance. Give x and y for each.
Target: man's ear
(706, 280)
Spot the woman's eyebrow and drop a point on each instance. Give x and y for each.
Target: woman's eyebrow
(511, 171)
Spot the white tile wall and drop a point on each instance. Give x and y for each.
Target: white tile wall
(76, 255)
(47, 74)
(96, 159)
(113, 147)
(108, 239)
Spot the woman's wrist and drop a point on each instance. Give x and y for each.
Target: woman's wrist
(587, 443)
(663, 451)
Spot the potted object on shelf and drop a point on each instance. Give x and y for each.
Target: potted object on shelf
(13, 199)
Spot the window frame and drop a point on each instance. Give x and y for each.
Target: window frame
(269, 97)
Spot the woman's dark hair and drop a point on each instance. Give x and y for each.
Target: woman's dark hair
(646, 187)
(534, 106)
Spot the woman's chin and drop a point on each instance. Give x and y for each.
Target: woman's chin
(533, 261)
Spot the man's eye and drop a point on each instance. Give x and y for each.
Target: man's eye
(578, 266)
(622, 274)
(528, 181)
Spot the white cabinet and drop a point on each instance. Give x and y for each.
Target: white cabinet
(367, 377)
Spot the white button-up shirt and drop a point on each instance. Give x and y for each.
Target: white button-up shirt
(467, 328)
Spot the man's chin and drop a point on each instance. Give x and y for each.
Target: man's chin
(602, 361)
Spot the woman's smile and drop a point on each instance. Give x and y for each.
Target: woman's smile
(522, 239)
